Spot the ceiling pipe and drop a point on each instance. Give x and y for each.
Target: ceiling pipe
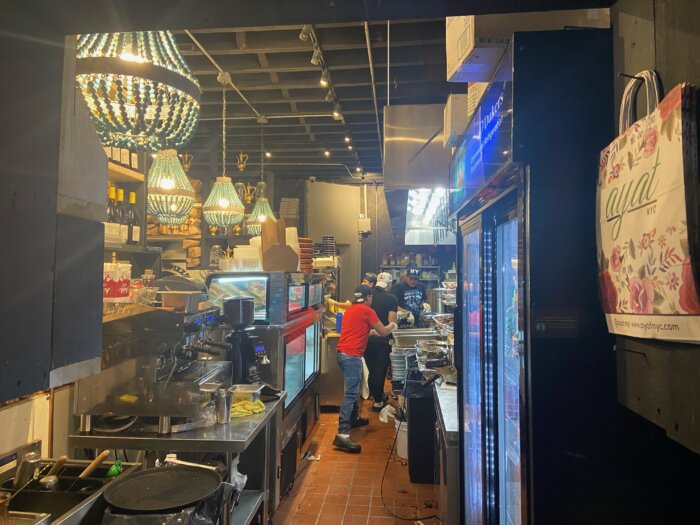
(271, 117)
(388, 60)
(374, 90)
(258, 116)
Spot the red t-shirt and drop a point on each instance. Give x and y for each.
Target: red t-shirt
(357, 322)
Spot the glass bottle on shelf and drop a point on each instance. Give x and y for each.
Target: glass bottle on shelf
(116, 155)
(134, 161)
(121, 217)
(111, 226)
(124, 157)
(134, 235)
(419, 259)
(216, 253)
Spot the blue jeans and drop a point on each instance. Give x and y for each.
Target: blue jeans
(352, 373)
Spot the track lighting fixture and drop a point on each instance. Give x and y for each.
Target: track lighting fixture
(329, 96)
(305, 33)
(316, 57)
(350, 148)
(347, 139)
(358, 169)
(326, 153)
(337, 113)
(268, 154)
(325, 78)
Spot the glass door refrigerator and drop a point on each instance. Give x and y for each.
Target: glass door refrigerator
(522, 189)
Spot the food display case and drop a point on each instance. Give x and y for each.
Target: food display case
(288, 313)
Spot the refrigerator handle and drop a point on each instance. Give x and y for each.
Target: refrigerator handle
(459, 340)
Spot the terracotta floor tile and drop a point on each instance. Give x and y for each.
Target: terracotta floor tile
(363, 481)
(382, 520)
(316, 488)
(310, 504)
(333, 509)
(379, 511)
(338, 499)
(335, 490)
(355, 520)
(304, 519)
(330, 519)
(360, 491)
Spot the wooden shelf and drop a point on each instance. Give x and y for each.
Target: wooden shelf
(118, 173)
(170, 238)
(131, 248)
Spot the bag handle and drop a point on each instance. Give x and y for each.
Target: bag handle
(628, 113)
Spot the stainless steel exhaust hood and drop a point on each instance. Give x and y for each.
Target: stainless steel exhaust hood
(413, 153)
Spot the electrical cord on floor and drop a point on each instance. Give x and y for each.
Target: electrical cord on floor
(386, 467)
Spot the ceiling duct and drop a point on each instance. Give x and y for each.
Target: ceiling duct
(414, 156)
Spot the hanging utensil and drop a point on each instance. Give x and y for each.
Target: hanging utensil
(94, 464)
(58, 465)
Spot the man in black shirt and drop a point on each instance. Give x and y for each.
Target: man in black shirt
(411, 294)
(378, 348)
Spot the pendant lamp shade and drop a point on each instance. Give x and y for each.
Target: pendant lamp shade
(223, 207)
(170, 194)
(261, 212)
(139, 91)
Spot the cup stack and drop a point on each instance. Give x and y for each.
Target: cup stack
(306, 252)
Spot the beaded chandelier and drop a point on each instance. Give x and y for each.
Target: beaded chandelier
(170, 193)
(223, 207)
(262, 210)
(139, 91)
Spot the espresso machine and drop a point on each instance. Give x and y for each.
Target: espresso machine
(246, 351)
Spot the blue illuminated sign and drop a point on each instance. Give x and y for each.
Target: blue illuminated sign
(487, 144)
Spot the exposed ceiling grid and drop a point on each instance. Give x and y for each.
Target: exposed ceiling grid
(272, 67)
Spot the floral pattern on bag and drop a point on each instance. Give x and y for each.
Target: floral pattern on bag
(649, 272)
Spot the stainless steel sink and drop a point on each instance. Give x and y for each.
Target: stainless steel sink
(29, 518)
(76, 501)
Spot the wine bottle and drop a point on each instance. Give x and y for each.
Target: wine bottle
(134, 162)
(121, 217)
(111, 226)
(132, 220)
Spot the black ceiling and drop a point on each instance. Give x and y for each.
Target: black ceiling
(272, 68)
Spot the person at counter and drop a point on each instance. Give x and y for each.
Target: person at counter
(377, 359)
(358, 320)
(411, 294)
(370, 279)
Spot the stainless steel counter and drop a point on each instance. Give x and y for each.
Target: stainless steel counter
(446, 404)
(234, 437)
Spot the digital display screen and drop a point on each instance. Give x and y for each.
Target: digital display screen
(487, 144)
(243, 287)
(297, 298)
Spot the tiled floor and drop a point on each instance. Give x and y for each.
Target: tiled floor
(346, 489)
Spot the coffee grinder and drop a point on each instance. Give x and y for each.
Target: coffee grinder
(245, 348)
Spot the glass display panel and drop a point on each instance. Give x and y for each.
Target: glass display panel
(312, 344)
(427, 218)
(297, 298)
(315, 294)
(508, 341)
(252, 286)
(294, 349)
(471, 379)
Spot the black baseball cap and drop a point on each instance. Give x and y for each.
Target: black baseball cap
(362, 292)
(371, 277)
(412, 271)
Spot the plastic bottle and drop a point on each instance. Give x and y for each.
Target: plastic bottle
(338, 321)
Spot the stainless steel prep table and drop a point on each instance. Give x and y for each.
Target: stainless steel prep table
(447, 447)
(235, 437)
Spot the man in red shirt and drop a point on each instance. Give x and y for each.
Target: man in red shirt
(358, 320)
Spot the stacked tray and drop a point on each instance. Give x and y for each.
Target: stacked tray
(306, 252)
(328, 245)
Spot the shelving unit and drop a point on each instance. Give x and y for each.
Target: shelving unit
(119, 174)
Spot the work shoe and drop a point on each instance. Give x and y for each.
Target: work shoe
(359, 422)
(346, 444)
(377, 407)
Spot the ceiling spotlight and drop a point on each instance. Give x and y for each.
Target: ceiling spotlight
(325, 78)
(358, 169)
(305, 33)
(268, 154)
(347, 139)
(349, 147)
(316, 57)
(337, 113)
(329, 96)
(326, 153)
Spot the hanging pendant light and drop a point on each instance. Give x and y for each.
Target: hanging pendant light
(261, 211)
(170, 194)
(223, 208)
(139, 91)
